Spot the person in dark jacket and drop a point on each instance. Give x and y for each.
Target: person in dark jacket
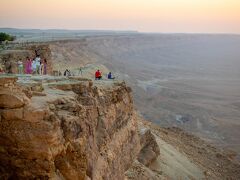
(110, 76)
(67, 73)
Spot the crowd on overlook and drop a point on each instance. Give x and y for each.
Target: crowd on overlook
(36, 66)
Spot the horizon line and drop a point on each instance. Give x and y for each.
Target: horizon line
(114, 30)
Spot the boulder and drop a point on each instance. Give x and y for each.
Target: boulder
(150, 149)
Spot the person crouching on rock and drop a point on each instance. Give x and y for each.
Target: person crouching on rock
(98, 75)
(67, 73)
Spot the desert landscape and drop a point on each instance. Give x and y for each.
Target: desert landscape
(178, 80)
(186, 103)
(120, 90)
(187, 81)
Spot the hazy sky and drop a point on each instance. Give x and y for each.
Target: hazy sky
(221, 16)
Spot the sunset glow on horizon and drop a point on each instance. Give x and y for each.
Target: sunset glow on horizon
(189, 16)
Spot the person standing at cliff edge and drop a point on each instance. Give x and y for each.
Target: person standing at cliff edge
(28, 66)
(34, 66)
(45, 66)
(37, 61)
(20, 66)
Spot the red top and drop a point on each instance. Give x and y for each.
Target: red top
(98, 74)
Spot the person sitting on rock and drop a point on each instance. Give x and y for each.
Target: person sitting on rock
(98, 75)
(110, 76)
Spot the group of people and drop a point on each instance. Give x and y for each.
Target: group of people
(33, 66)
(98, 75)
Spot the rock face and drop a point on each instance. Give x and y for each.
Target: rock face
(84, 131)
(149, 147)
(149, 152)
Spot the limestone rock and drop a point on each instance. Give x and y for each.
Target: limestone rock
(75, 131)
(12, 114)
(150, 149)
(10, 101)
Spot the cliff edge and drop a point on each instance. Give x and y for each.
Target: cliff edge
(75, 128)
(60, 128)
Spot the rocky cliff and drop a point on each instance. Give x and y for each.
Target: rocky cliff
(58, 128)
(75, 128)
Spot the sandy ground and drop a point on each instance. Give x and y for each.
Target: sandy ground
(185, 156)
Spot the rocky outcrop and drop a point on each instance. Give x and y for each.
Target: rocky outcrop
(140, 172)
(84, 131)
(149, 147)
(148, 153)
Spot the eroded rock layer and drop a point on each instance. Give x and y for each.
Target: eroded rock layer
(69, 129)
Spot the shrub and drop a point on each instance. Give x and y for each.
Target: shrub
(6, 37)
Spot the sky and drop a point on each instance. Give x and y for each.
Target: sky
(166, 16)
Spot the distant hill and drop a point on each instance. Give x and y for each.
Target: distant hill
(58, 34)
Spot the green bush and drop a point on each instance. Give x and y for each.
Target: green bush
(6, 37)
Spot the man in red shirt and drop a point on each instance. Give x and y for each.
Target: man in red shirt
(98, 75)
